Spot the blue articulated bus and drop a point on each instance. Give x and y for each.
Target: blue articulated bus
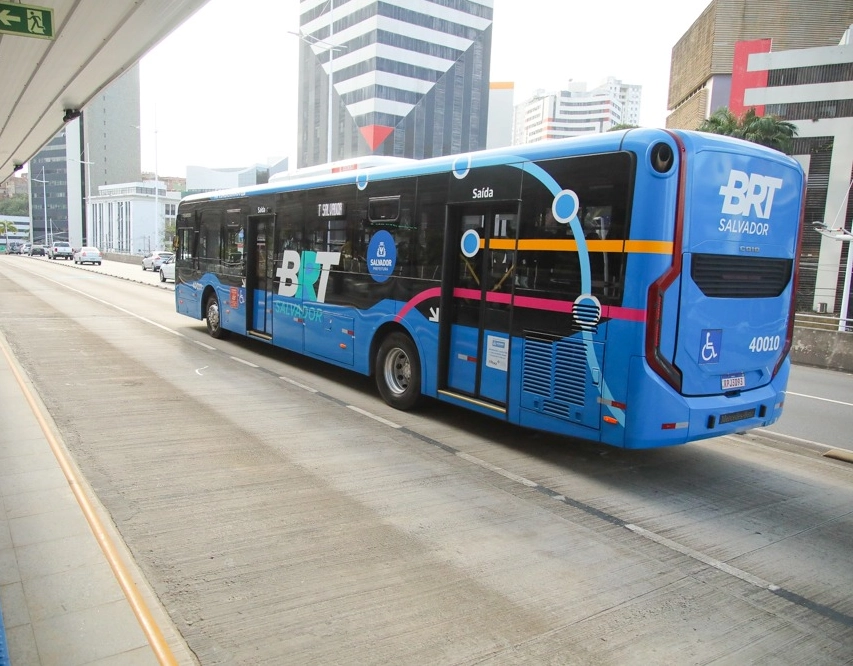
(634, 288)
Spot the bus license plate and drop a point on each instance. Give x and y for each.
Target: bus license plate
(733, 381)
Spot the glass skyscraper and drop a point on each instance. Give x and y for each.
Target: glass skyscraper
(410, 78)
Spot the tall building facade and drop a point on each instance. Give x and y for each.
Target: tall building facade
(98, 147)
(501, 107)
(576, 111)
(392, 77)
(813, 89)
(792, 60)
(702, 60)
(49, 191)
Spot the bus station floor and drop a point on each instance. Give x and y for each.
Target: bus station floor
(61, 603)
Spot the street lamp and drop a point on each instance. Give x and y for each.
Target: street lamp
(88, 194)
(44, 200)
(841, 234)
(157, 234)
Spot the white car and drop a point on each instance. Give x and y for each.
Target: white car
(167, 269)
(153, 260)
(60, 249)
(88, 255)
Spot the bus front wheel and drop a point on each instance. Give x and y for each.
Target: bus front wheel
(398, 371)
(214, 322)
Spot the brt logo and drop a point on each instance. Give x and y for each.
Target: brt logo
(747, 191)
(299, 273)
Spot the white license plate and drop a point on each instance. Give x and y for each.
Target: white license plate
(733, 381)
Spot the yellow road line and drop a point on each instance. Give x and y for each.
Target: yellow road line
(140, 609)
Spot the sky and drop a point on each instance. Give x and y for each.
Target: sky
(221, 90)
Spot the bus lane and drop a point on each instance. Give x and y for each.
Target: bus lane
(282, 512)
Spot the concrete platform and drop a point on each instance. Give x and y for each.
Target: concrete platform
(60, 598)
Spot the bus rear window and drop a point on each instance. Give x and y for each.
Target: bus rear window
(723, 276)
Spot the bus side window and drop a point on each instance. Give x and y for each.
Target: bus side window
(185, 244)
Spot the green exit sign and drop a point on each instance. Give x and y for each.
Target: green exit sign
(26, 20)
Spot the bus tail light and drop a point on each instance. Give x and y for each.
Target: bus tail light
(795, 278)
(654, 311)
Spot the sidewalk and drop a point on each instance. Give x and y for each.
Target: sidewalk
(61, 602)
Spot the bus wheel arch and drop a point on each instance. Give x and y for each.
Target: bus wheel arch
(397, 368)
(213, 314)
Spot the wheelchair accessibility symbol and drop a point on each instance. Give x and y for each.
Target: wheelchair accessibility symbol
(710, 344)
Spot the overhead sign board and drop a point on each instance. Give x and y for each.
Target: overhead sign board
(27, 20)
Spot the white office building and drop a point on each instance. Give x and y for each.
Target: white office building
(129, 217)
(813, 89)
(576, 111)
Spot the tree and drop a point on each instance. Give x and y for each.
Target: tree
(18, 205)
(764, 130)
(622, 126)
(7, 227)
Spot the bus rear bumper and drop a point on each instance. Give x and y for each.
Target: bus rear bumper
(659, 416)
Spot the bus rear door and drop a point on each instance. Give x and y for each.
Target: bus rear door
(476, 302)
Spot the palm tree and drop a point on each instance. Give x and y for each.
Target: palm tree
(5, 228)
(765, 130)
(622, 126)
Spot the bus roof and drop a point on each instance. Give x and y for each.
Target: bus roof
(384, 167)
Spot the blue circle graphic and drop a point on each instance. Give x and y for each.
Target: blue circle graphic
(381, 256)
(470, 244)
(361, 181)
(461, 166)
(565, 206)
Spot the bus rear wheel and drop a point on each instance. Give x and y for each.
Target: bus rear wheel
(398, 371)
(214, 322)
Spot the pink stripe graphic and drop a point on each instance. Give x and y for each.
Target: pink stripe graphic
(530, 302)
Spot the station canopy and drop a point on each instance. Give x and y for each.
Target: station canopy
(59, 54)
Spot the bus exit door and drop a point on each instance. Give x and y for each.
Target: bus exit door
(476, 304)
(259, 276)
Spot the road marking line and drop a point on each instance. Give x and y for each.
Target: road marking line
(302, 386)
(814, 397)
(240, 360)
(111, 305)
(710, 561)
(364, 412)
(201, 344)
(497, 470)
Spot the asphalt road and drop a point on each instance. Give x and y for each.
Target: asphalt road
(283, 514)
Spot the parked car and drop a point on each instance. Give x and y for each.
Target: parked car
(88, 255)
(60, 250)
(36, 250)
(167, 269)
(154, 259)
(25, 248)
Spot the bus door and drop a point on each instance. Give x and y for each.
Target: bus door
(476, 300)
(259, 276)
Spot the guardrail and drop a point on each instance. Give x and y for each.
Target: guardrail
(823, 322)
(825, 341)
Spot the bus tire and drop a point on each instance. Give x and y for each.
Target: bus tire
(398, 371)
(213, 317)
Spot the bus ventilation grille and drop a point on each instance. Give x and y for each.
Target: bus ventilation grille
(721, 276)
(555, 369)
(586, 313)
